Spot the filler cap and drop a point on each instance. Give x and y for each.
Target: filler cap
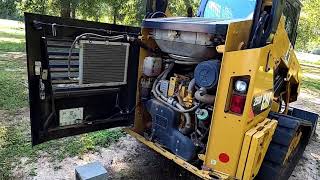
(207, 74)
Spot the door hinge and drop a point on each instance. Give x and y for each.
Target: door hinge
(37, 68)
(42, 88)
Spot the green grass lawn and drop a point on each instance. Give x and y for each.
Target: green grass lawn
(11, 36)
(13, 84)
(311, 78)
(15, 138)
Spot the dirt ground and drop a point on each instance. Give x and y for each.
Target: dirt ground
(129, 159)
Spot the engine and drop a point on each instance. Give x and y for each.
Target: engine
(178, 89)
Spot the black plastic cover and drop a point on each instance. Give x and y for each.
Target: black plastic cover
(165, 130)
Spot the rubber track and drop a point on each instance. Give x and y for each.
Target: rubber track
(272, 167)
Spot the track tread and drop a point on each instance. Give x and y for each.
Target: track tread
(272, 166)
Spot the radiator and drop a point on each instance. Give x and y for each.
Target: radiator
(103, 63)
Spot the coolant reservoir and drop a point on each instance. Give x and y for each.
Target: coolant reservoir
(152, 66)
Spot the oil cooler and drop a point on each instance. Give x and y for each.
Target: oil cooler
(103, 63)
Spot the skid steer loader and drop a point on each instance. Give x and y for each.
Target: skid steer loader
(209, 92)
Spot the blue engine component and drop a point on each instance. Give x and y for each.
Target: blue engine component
(206, 74)
(165, 130)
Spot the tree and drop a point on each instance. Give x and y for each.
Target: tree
(308, 29)
(8, 9)
(65, 8)
(37, 6)
(179, 7)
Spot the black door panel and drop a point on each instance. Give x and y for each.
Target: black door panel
(59, 106)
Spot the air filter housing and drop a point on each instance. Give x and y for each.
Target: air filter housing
(103, 63)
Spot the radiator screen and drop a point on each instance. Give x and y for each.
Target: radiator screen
(103, 63)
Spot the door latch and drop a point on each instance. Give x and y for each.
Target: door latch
(43, 74)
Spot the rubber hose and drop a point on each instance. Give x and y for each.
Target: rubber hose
(192, 85)
(157, 94)
(186, 62)
(203, 97)
(187, 126)
(161, 76)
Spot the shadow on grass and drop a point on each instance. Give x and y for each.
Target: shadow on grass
(311, 84)
(12, 34)
(7, 46)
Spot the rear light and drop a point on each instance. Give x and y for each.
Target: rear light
(241, 86)
(239, 94)
(237, 103)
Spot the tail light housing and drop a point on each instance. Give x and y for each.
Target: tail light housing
(239, 94)
(237, 103)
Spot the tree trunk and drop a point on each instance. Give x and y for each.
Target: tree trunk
(43, 6)
(74, 5)
(65, 8)
(73, 12)
(114, 19)
(115, 12)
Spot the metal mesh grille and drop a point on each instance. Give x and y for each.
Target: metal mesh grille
(104, 64)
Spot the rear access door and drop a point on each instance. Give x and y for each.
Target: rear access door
(82, 76)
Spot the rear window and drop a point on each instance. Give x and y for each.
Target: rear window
(230, 9)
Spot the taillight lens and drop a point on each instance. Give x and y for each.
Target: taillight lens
(241, 86)
(237, 94)
(237, 103)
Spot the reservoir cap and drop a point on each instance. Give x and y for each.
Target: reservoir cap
(207, 74)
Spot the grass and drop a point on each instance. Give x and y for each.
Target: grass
(15, 144)
(310, 62)
(13, 93)
(15, 138)
(9, 46)
(11, 36)
(311, 82)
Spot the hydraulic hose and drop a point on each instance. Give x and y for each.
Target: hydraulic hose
(187, 126)
(163, 75)
(157, 94)
(192, 85)
(186, 62)
(179, 108)
(202, 96)
(176, 106)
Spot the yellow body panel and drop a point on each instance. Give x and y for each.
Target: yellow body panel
(232, 127)
(259, 142)
(227, 131)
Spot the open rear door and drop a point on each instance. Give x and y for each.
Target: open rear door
(92, 88)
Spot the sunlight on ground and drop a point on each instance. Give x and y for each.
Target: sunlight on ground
(11, 36)
(5, 24)
(312, 76)
(10, 39)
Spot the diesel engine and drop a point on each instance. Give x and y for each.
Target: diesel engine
(178, 87)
